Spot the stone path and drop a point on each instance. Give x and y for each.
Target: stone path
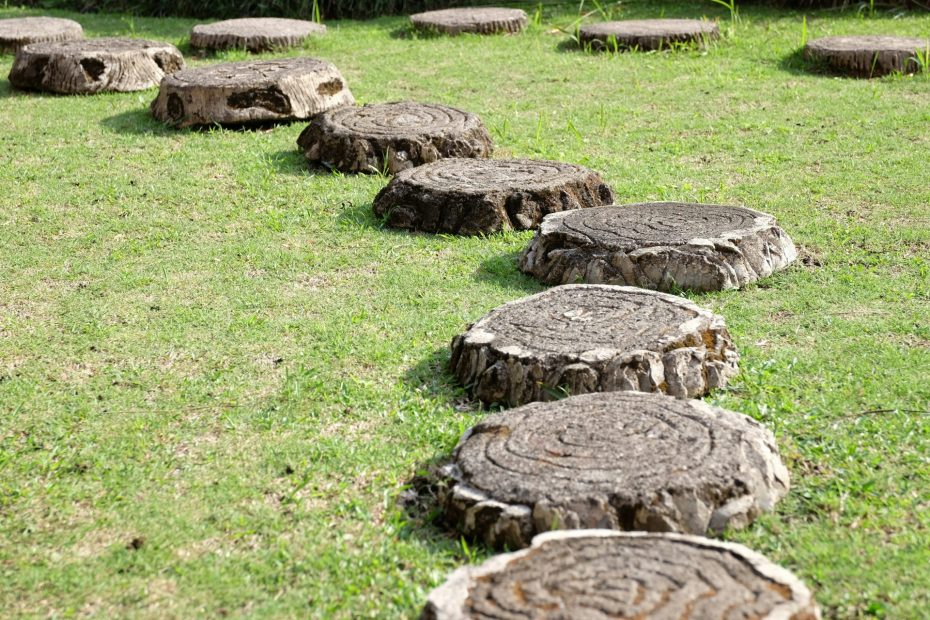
(20, 31)
(646, 34)
(255, 34)
(868, 56)
(478, 20)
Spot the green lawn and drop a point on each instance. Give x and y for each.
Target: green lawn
(218, 371)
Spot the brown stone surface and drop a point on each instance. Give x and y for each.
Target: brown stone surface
(477, 20)
(20, 31)
(390, 137)
(646, 34)
(867, 56)
(604, 574)
(253, 91)
(472, 196)
(94, 65)
(659, 245)
(255, 34)
(582, 338)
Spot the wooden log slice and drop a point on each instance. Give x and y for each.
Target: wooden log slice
(472, 196)
(659, 245)
(391, 137)
(646, 34)
(607, 574)
(582, 338)
(620, 460)
(94, 65)
(252, 91)
(867, 56)
(20, 31)
(255, 34)
(478, 20)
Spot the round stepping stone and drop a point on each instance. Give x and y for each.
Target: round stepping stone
(659, 245)
(473, 196)
(20, 31)
(478, 20)
(391, 137)
(620, 460)
(646, 34)
(252, 91)
(582, 338)
(255, 34)
(867, 56)
(94, 65)
(607, 574)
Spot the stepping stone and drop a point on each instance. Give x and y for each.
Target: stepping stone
(659, 245)
(646, 34)
(478, 20)
(606, 574)
(253, 91)
(94, 65)
(620, 460)
(255, 34)
(473, 196)
(582, 338)
(868, 56)
(20, 31)
(390, 137)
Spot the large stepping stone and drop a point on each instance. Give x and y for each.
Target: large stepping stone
(659, 245)
(582, 338)
(473, 196)
(646, 34)
(255, 34)
(477, 20)
(390, 137)
(867, 56)
(94, 65)
(620, 460)
(253, 91)
(607, 574)
(20, 31)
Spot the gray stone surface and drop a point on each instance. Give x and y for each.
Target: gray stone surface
(582, 338)
(477, 20)
(660, 245)
(869, 55)
(20, 31)
(255, 34)
(646, 34)
(600, 574)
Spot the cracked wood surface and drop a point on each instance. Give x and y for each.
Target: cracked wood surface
(20, 31)
(645, 34)
(868, 56)
(255, 34)
(478, 20)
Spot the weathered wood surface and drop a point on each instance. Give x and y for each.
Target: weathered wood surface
(477, 20)
(664, 246)
(20, 31)
(391, 137)
(253, 91)
(582, 338)
(475, 196)
(646, 34)
(255, 34)
(603, 574)
(868, 56)
(94, 65)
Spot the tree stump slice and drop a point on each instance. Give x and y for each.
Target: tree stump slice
(391, 137)
(659, 245)
(867, 56)
(94, 65)
(620, 460)
(607, 574)
(646, 34)
(478, 20)
(252, 91)
(255, 34)
(582, 338)
(20, 31)
(474, 196)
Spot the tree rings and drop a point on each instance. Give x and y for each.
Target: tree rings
(255, 34)
(868, 56)
(646, 34)
(478, 20)
(20, 31)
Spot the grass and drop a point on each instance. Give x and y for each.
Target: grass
(218, 371)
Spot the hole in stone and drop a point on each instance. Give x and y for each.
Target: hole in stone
(330, 88)
(175, 107)
(93, 68)
(270, 98)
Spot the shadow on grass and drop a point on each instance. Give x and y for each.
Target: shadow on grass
(503, 270)
(292, 162)
(136, 122)
(796, 64)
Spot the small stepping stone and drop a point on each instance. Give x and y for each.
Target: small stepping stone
(20, 31)
(607, 574)
(582, 338)
(868, 56)
(252, 91)
(646, 34)
(659, 245)
(620, 460)
(94, 65)
(255, 34)
(473, 196)
(390, 137)
(478, 20)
